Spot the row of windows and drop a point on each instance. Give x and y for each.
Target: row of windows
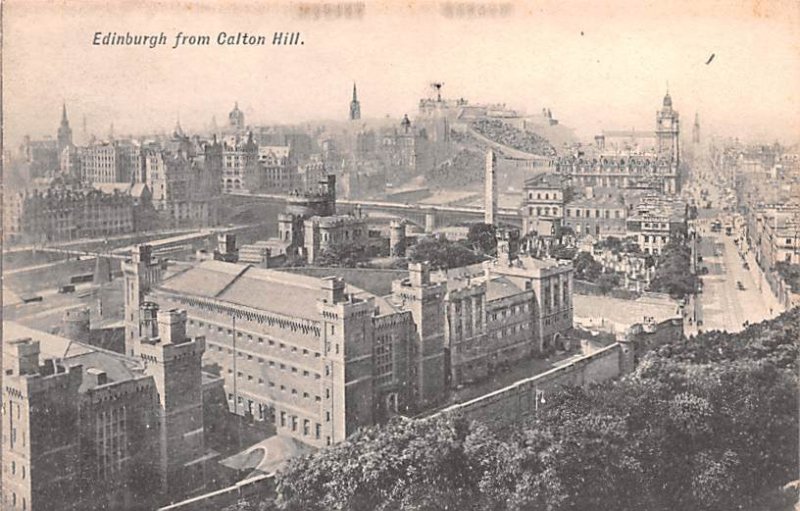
(283, 419)
(282, 388)
(262, 361)
(544, 211)
(526, 307)
(556, 196)
(587, 213)
(251, 339)
(511, 330)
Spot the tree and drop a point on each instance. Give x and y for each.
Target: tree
(611, 243)
(608, 281)
(407, 464)
(706, 424)
(482, 238)
(341, 254)
(586, 268)
(673, 272)
(442, 253)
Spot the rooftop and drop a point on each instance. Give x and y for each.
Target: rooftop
(117, 367)
(289, 294)
(544, 180)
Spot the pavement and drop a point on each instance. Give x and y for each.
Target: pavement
(615, 315)
(722, 305)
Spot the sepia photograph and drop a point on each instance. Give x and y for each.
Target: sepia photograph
(437, 255)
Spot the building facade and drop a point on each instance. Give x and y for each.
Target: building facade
(63, 214)
(240, 165)
(93, 429)
(543, 203)
(656, 221)
(315, 357)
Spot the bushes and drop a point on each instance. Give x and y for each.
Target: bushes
(673, 272)
(442, 253)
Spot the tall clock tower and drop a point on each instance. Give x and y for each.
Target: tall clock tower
(668, 131)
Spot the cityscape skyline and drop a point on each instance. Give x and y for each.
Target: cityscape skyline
(539, 254)
(743, 91)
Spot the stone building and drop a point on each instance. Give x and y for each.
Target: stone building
(184, 177)
(634, 160)
(598, 216)
(319, 358)
(240, 164)
(657, 220)
(543, 203)
(400, 148)
(314, 356)
(278, 171)
(110, 161)
(63, 214)
(326, 232)
(630, 172)
(88, 428)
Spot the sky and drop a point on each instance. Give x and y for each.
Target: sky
(594, 66)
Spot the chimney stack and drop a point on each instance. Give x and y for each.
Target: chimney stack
(333, 290)
(172, 326)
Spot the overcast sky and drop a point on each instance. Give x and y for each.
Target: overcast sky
(595, 67)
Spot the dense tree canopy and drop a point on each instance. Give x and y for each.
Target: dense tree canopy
(443, 253)
(703, 424)
(482, 237)
(673, 272)
(341, 254)
(586, 267)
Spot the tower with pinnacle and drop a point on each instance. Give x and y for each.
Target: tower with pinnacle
(236, 118)
(668, 131)
(64, 131)
(355, 106)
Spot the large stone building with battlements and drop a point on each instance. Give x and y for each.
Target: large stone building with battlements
(320, 358)
(86, 428)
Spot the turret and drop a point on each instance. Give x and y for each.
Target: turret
(141, 273)
(175, 361)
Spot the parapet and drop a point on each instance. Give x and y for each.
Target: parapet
(172, 326)
(333, 290)
(22, 356)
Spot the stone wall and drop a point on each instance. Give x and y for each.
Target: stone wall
(260, 488)
(524, 397)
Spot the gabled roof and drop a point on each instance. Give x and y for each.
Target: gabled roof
(288, 294)
(544, 180)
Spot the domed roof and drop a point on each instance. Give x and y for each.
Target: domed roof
(667, 101)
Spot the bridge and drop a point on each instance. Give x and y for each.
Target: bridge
(263, 205)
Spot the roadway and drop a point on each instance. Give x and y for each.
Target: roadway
(722, 305)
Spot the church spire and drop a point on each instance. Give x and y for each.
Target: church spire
(355, 106)
(64, 131)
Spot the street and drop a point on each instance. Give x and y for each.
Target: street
(723, 305)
